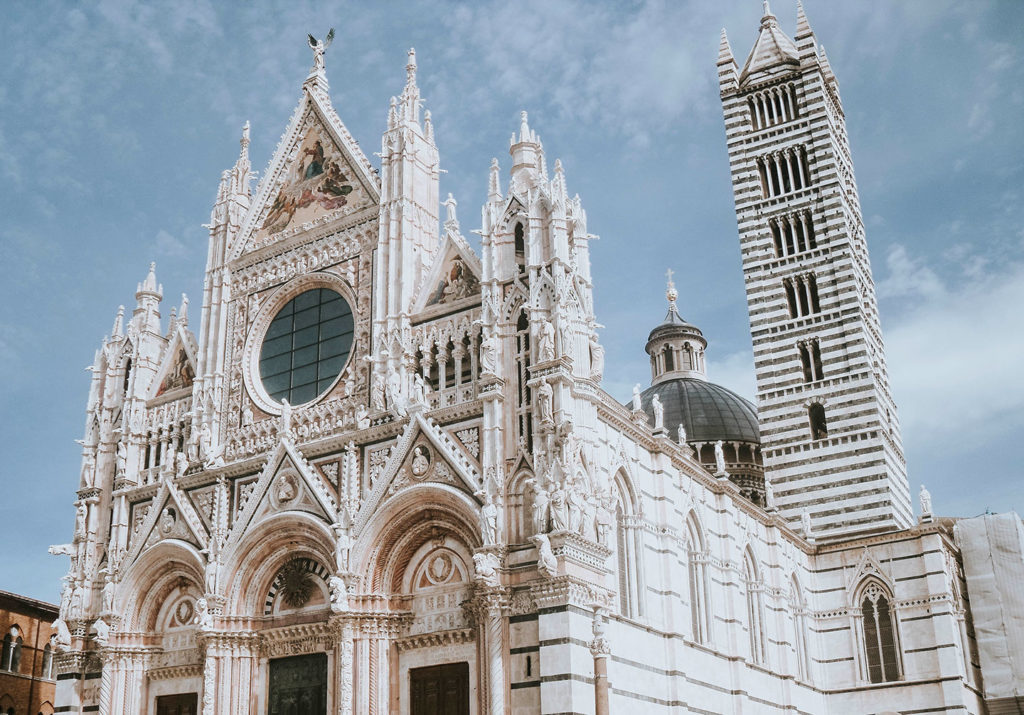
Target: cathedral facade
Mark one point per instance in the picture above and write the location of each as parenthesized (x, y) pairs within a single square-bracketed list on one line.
[(383, 476)]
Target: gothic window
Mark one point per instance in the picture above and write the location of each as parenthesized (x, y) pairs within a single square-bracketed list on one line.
[(799, 609), (790, 297), (127, 374), (755, 607), (306, 346), (523, 396), (627, 552), (520, 248), (5, 657), (816, 417), (772, 106), (783, 171), (801, 295), (700, 617), (669, 361), (881, 653)]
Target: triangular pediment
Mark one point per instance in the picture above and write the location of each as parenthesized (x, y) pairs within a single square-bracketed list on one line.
[(317, 174), (169, 515), (867, 567), (453, 278), (177, 369), (288, 483), (424, 453)]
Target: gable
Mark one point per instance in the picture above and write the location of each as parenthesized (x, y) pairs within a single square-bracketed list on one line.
[(317, 180), (318, 173), (453, 277), (177, 370)]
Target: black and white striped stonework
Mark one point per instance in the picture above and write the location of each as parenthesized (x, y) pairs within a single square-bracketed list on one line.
[(808, 281)]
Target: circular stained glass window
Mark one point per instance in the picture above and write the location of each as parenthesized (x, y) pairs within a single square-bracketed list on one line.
[(306, 346)]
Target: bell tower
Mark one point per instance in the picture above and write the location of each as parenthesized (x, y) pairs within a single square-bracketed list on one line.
[(829, 432)]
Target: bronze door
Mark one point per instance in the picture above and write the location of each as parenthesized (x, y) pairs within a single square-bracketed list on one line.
[(440, 689), (298, 685), (184, 704)]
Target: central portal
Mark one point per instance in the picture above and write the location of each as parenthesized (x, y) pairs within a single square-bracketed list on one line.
[(440, 689), (298, 685)]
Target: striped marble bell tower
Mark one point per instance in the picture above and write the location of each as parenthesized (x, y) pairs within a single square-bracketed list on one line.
[(829, 432)]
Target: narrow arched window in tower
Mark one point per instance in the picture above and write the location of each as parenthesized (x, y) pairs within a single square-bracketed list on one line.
[(670, 363), (622, 558), (812, 291), (520, 247), (819, 372), (127, 373), (790, 297), (805, 362), (776, 237), (816, 417), (880, 649), (523, 396)]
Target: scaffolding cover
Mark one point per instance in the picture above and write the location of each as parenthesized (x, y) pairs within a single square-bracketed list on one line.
[(992, 546)]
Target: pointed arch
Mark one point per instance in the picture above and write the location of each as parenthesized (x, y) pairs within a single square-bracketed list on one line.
[(697, 579), (628, 546), (519, 506), (798, 608), (167, 566), (881, 653), (754, 588)]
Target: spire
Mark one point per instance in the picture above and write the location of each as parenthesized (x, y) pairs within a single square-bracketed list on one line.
[(804, 35), (771, 49), (241, 170), (493, 183), (678, 337), (725, 50), (115, 332), (411, 93), (150, 286)]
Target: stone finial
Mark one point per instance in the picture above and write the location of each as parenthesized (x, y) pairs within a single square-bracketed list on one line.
[(670, 292), (118, 323), (494, 184), (926, 504), (428, 127), (410, 68), (150, 286), (525, 133), (183, 311), (244, 141)]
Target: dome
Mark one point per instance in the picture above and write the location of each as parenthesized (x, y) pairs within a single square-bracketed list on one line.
[(709, 412)]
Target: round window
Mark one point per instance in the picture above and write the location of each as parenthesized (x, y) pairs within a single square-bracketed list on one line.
[(306, 346)]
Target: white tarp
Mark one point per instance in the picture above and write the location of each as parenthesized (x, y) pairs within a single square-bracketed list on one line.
[(992, 546)]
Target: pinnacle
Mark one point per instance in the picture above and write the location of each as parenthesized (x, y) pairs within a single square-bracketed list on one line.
[(724, 49), (803, 27)]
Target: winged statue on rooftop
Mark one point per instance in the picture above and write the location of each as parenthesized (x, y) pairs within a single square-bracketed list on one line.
[(318, 48)]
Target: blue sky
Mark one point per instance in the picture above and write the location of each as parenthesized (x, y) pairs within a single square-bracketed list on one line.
[(117, 117)]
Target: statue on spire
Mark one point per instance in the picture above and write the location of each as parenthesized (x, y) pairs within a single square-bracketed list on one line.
[(318, 48), (671, 293)]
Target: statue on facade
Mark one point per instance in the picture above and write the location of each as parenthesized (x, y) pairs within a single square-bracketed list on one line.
[(769, 495), (377, 392), (540, 506), (102, 631), (342, 546), (544, 402), (61, 640), (637, 405), (565, 335), (485, 567), (339, 594), (659, 412), (557, 507), (605, 517), (180, 463), (419, 389), (210, 456), (547, 565), (596, 358), (489, 355), (396, 393), (488, 518), (318, 48), (247, 417), (204, 619), (681, 434), (362, 417), (109, 591), (122, 459), (926, 502), (80, 515), (719, 459), (546, 341), (285, 427), (575, 501), (805, 523)]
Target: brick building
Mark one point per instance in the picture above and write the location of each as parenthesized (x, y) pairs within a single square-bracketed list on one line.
[(26, 659)]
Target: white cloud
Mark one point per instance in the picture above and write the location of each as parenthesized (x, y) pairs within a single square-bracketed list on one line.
[(954, 352), (171, 246)]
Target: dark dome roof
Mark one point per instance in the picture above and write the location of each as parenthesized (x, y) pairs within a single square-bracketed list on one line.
[(673, 324), (709, 412)]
